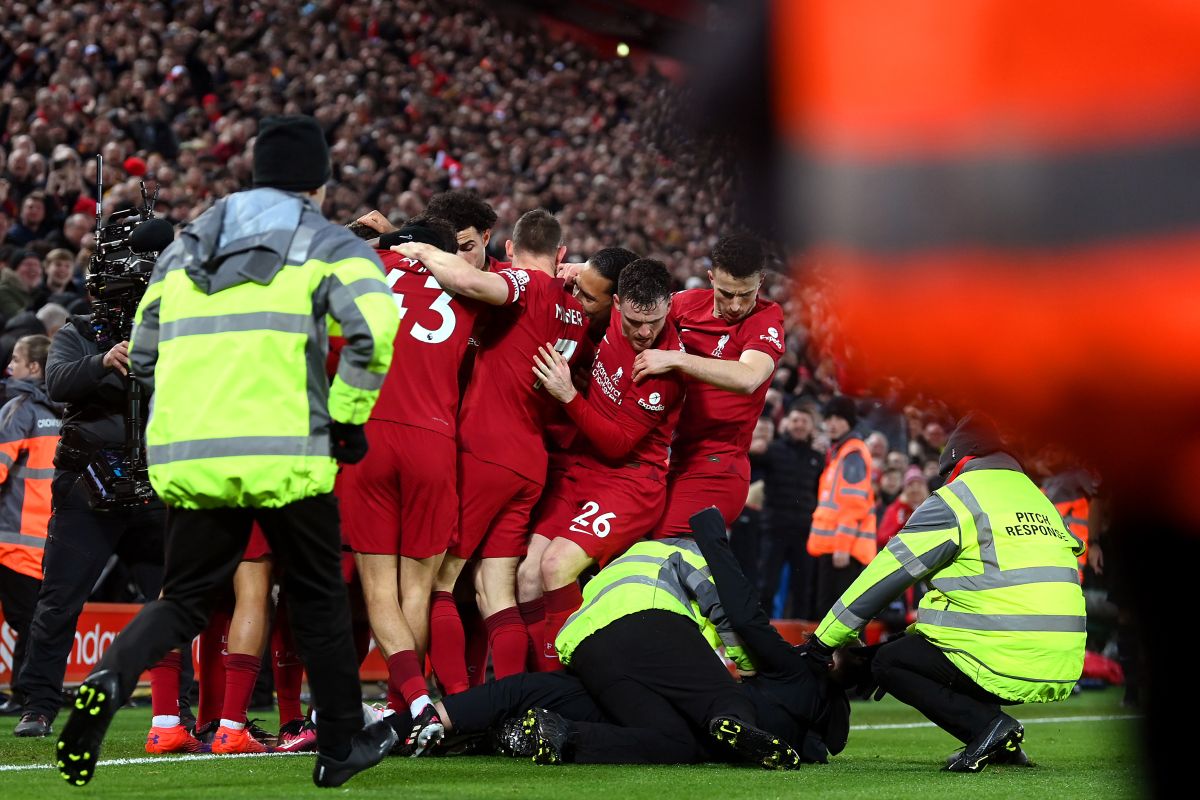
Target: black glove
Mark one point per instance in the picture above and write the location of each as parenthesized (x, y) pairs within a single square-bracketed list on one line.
[(347, 443), (818, 655), (862, 660)]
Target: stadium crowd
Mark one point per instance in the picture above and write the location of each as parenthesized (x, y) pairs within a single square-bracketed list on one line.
[(415, 99)]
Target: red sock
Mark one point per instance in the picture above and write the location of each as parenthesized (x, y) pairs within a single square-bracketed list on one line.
[(241, 671), (164, 685), (509, 641), (405, 681), (212, 668), (476, 646), (447, 643), (533, 614), (286, 667), (561, 603)]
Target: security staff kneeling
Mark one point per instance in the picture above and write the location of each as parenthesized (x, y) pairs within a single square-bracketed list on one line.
[(1004, 622)]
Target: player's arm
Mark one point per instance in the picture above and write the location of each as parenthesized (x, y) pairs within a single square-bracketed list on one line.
[(611, 437), (458, 277), (930, 540), (743, 376)]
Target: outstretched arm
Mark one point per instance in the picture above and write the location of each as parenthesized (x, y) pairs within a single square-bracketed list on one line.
[(458, 277), (770, 651), (743, 376)]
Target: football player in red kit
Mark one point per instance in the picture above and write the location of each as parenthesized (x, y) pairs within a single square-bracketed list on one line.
[(400, 503), (593, 284), (472, 219), (614, 488), (733, 341), (502, 455)]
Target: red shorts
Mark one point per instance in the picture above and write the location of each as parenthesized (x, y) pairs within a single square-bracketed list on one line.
[(258, 546), (604, 512), (689, 493), (401, 499), (494, 509)]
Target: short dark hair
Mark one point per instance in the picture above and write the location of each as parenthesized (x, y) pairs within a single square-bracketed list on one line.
[(609, 262), (463, 209), (442, 229), (739, 254), (537, 232), (644, 283)]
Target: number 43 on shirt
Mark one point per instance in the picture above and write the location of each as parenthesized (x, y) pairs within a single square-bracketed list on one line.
[(440, 306)]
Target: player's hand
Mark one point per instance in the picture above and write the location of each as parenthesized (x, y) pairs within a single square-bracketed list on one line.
[(376, 222), (417, 251), (1095, 557), (841, 560), (652, 362), (553, 374), (118, 358), (567, 271)]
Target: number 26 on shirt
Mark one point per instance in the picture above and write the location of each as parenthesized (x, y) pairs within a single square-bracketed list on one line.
[(599, 526)]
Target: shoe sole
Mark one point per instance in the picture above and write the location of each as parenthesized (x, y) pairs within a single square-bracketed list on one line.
[(758, 746), (430, 736), (79, 744)]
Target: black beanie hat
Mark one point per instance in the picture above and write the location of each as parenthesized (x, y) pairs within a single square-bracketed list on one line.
[(290, 154), (844, 407), (976, 435)]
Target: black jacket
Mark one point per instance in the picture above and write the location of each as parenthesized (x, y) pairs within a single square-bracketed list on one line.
[(791, 478), (790, 698), (95, 395)]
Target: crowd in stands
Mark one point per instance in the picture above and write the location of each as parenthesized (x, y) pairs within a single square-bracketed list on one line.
[(415, 96)]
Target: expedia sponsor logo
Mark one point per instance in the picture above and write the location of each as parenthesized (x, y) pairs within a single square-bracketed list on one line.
[(606, 383), (50, 423), (772, 336), (518, 278), (652, 403)]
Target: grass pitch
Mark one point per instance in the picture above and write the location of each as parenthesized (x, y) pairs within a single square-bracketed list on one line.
[(1084, 747)]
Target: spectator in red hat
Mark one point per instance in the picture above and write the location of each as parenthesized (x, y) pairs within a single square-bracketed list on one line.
[(135, 166)]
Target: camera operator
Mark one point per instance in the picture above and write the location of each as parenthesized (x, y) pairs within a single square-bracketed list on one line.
[(92, 383)]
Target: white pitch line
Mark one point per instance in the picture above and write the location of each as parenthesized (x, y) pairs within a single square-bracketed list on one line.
[(122, 762), (1031, 721)]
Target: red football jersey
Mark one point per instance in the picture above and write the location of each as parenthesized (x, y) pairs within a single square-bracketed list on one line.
[(421, 387), (651, 406), (504, 413), (716, 426)]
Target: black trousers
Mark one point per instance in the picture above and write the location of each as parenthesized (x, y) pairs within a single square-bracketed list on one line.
[(785, 545), (657, 679), (79, 543), (917, 673), (486, 706), (203, 550), (832, 582), (18, 598)]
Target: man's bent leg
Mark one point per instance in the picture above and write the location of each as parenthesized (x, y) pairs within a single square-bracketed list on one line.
[(917, 673)]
